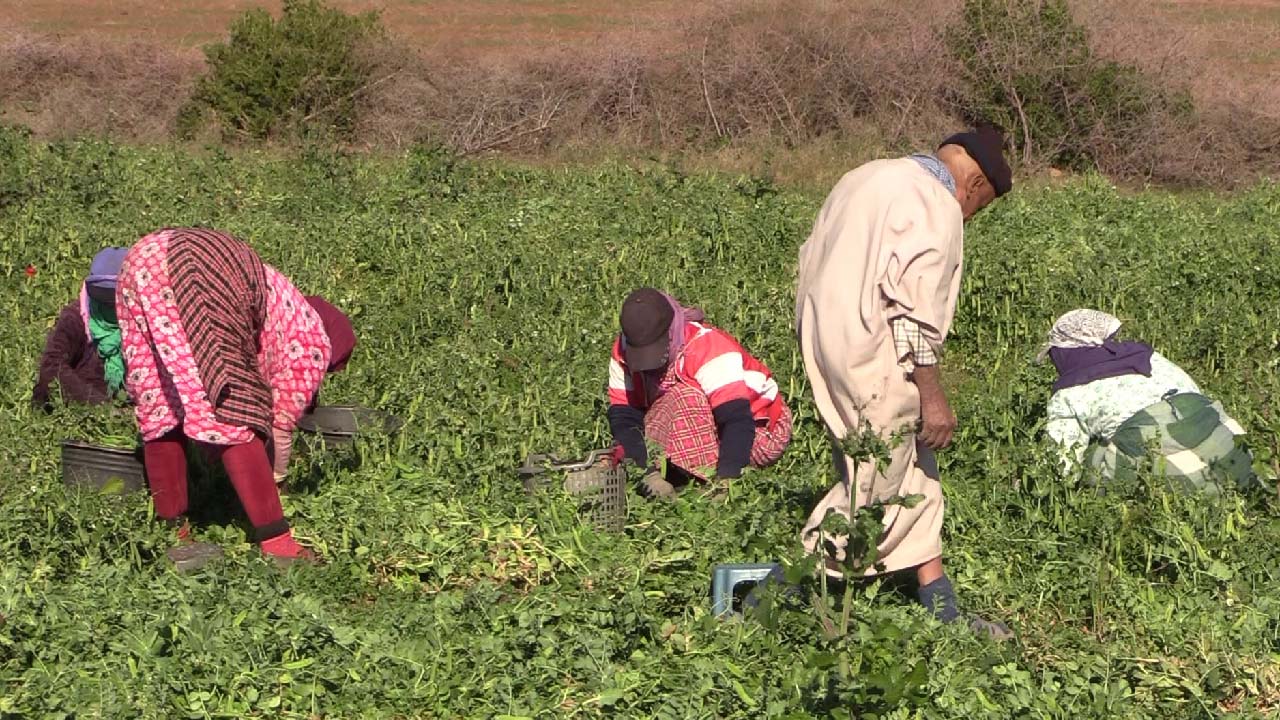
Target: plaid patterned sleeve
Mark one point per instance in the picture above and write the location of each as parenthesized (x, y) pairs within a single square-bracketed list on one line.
[(910, 345)]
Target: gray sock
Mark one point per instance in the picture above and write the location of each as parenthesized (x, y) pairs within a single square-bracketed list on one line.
[(940, 599)]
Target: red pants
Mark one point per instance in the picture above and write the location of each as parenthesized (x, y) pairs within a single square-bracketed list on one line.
[(247, 466)]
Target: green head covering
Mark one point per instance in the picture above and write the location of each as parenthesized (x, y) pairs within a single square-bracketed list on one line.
[(104, 332), (100, 296)]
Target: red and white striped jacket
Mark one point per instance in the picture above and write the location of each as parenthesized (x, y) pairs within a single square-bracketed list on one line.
[(711, 360)]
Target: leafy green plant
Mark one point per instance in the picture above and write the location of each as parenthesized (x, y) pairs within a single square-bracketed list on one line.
[(108, 425), (298, 74), (14, 180), (1027, 66), (486, 325)]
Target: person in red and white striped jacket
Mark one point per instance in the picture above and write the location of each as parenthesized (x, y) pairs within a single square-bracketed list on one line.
[(693, 390)]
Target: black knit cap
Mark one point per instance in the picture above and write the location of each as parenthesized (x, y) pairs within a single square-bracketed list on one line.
[(986, 146), (646, 318)]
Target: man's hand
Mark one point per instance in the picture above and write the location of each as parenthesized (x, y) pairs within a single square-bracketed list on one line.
[(939, 423)]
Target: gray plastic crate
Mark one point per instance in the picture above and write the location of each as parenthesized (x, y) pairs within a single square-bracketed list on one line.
[(600, 487)]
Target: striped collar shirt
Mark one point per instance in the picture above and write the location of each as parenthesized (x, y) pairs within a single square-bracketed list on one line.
[(937, 169)]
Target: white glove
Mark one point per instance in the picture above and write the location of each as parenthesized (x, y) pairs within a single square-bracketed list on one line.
[(282, 445)]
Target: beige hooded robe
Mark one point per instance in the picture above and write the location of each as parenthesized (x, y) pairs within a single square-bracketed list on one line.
[(887, 243)]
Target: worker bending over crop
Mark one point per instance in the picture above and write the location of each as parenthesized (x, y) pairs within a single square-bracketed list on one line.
[(222, 349), (83, 350), (879, 277), (1119, 405), (692, 390)]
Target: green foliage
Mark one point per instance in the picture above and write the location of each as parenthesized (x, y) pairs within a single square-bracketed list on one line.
[(14, 181), (485, 300), (108, 424), (864, 444), (1027, 67), (862, 532), (301, 73)]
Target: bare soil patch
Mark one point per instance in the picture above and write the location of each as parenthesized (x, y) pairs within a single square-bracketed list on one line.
[(456, 25)]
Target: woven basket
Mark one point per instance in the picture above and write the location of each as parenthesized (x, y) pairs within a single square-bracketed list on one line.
[(599, 486)]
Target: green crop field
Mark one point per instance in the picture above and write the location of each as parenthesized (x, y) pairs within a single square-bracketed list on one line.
[(486, 297)]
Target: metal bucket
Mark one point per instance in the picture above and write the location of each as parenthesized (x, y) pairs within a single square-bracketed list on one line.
[(96, 466), (341, 424), (599, 486)]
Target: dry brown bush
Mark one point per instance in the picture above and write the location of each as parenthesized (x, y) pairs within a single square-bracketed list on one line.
[(745, 74), (1232, 136), (90, 85), (764, 69)]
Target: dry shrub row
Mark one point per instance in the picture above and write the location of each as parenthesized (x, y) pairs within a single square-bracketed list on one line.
[(88, 85), (764, 71), (796, 72), (1234, 134), (789, 71)]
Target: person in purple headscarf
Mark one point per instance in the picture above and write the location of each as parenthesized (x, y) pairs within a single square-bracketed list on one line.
[(693, 391), (1118, 406), (83, 351)]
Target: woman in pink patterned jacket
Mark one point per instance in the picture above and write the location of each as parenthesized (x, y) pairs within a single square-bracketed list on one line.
[(222, 350)]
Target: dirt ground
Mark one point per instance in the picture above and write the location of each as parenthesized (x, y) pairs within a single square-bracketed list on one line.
[(454, 24)]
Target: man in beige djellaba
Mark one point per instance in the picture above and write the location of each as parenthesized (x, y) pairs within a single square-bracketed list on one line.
[(879, 280)]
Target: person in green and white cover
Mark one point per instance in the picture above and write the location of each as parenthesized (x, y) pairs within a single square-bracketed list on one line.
[(1119, 405)]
